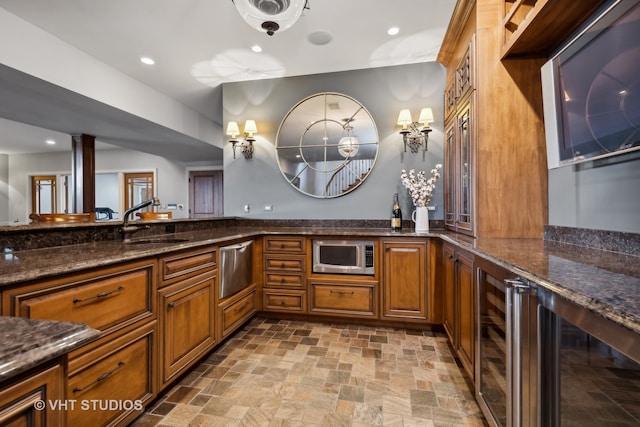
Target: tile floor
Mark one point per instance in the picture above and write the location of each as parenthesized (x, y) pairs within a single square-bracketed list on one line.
[(287, 373)]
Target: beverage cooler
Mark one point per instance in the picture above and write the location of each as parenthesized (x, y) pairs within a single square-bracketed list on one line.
[(589, 367), (506, 380), (544, 361)]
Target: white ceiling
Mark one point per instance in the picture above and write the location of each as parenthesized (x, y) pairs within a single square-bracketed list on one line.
[(200, 44)]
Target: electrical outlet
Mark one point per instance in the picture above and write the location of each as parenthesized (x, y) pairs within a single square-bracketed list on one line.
[(431, 208), (268, 208), (246, 208)]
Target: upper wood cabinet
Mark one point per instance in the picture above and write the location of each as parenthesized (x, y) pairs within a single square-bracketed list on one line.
[(496, 182), (536, 27), (459, 161)]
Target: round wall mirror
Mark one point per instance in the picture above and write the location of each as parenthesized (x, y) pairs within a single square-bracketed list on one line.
[(326, 145)]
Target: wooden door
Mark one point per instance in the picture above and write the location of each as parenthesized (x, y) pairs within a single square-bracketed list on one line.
[(43, 194), (138, 188), (205, 194)]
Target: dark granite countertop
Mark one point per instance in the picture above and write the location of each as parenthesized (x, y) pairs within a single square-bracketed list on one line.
[(602, 281), (27, 343)]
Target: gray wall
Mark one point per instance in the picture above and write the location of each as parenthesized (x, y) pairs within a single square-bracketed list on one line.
[(383, 91), (4, 189), (602, 194)]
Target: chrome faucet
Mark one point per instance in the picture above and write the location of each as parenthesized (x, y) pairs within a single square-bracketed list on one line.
[(126, 230)]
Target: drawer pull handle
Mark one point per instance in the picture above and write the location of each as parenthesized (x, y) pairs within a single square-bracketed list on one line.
[(282, 265), (341, 292), (100, 378), (282, 280), (98, 296), (282, 302), (242, 307)]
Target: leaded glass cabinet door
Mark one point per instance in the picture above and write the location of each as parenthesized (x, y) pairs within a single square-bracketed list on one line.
[(459, 185), (465, 169), (450, 175)]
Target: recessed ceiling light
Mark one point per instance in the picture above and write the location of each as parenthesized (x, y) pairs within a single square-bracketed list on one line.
[(50, 142), (147, 60), (256, 48), (393, 31)]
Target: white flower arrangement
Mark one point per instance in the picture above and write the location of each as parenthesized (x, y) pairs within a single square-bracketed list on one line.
[(420, 188)]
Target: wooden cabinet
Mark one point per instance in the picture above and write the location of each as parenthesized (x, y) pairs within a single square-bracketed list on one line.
[(115, 381), (106, 299), (187, 310), (495, 151), (404, 288), (18, 398), (459, 304), (344, 297), (459, 161), (236, 310), (536, 27), (119, 302), (284, 266)]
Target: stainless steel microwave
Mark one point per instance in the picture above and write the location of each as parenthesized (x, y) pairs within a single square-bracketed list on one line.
[(343, 256)]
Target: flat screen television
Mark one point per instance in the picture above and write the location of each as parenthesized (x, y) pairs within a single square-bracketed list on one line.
[(591, 88)]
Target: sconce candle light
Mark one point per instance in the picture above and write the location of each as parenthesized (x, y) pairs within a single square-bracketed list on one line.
[(412, 133), (250, 129)]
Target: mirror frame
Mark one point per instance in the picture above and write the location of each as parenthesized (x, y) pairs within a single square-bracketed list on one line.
[(347, 151)]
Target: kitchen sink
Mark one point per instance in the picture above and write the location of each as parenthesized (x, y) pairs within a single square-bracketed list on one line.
[(157, 240)]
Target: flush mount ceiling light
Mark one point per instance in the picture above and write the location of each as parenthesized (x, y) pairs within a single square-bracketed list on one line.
[(271, 15)]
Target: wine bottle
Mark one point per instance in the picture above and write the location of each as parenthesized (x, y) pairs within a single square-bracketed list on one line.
[(396, 214)]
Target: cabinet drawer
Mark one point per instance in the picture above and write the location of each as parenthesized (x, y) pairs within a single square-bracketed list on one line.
[(104, 300), (284, 300), (355, 299), (120, 372), (283, 280), (290, 263), (284, 244), (237, 311), (188, 264)]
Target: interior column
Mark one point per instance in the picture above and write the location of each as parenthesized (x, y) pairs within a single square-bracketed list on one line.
[(83, 173)]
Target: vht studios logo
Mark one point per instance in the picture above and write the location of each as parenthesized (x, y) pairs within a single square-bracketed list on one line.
[(89, 405)]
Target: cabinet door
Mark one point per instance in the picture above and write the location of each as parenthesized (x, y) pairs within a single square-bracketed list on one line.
[(187, 323), (17, 400), (449, 272), (464, 168), (450, 192), (466, 298), (405, 279)]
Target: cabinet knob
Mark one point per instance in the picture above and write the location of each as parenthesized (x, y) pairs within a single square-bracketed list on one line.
[(171, 304)]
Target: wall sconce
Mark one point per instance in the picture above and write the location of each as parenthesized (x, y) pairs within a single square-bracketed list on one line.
[(411, 132), (247, 140)]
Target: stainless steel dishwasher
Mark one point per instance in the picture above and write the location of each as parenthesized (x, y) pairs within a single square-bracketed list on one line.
[(235, 268)]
